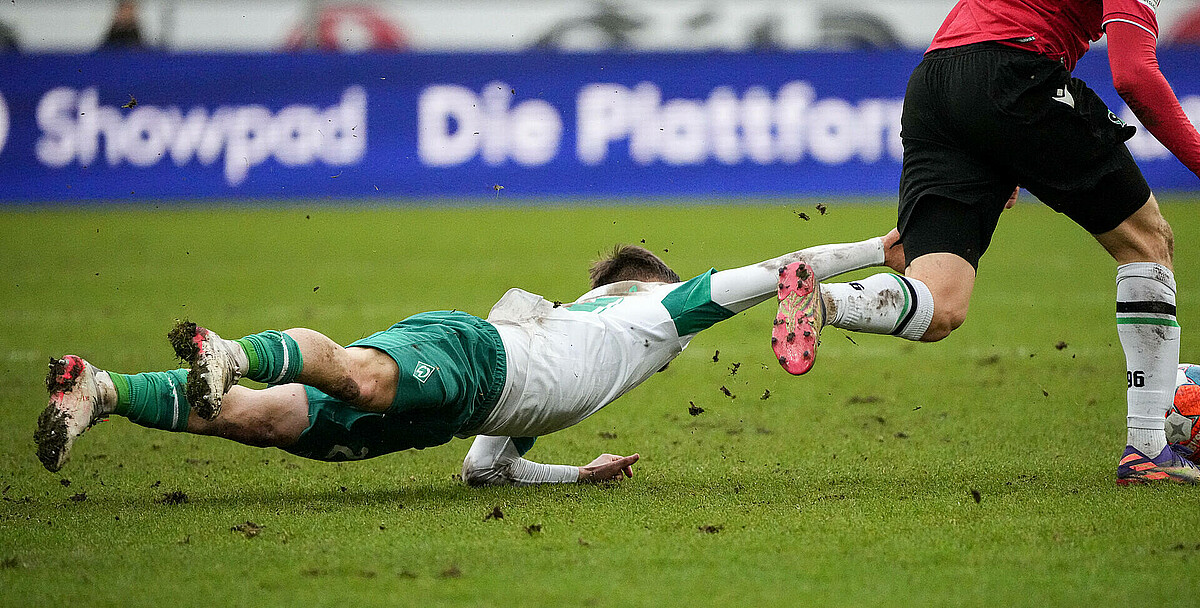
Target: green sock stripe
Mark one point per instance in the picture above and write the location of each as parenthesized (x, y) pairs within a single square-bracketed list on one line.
[(295, 360), (121, 382), (154, 399), (278, 355), (1146, 321), (907, 302), (252, 354)]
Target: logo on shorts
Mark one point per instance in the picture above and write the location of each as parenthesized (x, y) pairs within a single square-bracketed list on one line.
[(1116, 120), (1062, 95), (423, 371)]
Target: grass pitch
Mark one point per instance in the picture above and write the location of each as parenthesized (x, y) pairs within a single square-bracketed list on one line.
[(977, 471)]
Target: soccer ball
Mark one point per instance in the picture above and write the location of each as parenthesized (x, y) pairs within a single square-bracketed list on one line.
[(1183, 420)]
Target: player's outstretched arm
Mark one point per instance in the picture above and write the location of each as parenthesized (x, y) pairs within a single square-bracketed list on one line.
[(1136, 76), (496, 461), (740, 288)]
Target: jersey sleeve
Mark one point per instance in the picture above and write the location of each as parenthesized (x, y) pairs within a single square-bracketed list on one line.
[(496, 461), (1142, 13), (691, 306), (1136, 76)]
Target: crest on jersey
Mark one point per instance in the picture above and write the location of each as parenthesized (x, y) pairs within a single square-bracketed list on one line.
[(423, 371), (1153, 4)]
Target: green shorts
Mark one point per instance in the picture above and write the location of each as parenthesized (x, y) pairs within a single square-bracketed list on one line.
[(452, 371)]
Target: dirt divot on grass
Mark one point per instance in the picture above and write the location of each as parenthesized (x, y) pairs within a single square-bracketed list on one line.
[(248, 529), (176, 497)]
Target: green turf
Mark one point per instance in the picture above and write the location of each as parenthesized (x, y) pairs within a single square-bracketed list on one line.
[(850, 486)]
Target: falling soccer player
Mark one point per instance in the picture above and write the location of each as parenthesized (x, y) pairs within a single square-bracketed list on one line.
[(531, 368), (992, 107)]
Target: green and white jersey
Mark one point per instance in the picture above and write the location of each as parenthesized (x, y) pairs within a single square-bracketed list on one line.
[(565, 362)]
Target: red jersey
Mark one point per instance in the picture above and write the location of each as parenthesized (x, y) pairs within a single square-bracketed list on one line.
[(1060, 29)]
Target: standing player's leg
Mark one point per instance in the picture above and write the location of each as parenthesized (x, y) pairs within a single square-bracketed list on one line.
[(1143, 248), (364, 378), (82, 395)]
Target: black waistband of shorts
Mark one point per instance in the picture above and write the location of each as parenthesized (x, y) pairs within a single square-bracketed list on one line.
[(980, 47)]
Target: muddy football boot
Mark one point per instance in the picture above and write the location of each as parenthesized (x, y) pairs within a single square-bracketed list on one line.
[(73, 409), (213, 367), (1171, 465), (797, 329)]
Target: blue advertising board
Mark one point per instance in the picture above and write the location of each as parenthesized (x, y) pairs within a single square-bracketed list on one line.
[(147, 125)]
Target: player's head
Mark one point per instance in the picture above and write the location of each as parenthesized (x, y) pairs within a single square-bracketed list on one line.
[(631, 263)]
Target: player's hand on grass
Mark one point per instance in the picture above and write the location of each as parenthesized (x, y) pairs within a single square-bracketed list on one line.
[(1012, 200), (608, 467)]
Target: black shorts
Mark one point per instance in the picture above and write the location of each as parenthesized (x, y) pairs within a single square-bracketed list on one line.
[(981, 119)]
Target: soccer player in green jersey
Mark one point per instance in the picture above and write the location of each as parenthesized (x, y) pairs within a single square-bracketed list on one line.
[(531, 368)]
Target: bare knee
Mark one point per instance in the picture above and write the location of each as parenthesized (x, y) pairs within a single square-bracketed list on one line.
[(1155, 241), (372, 379), (344, 388), (945, 320), (1145, 236), (950, 279)]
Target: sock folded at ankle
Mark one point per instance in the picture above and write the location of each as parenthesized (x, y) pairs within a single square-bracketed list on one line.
[(881, 304), (274, 357)]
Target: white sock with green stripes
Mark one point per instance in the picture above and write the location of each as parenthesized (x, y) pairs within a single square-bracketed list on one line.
[(1150, 336), (880, 304)]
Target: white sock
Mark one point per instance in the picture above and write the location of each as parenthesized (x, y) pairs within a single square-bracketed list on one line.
[(1149, 334), (241, 360), (880, 304), (107, 401)]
